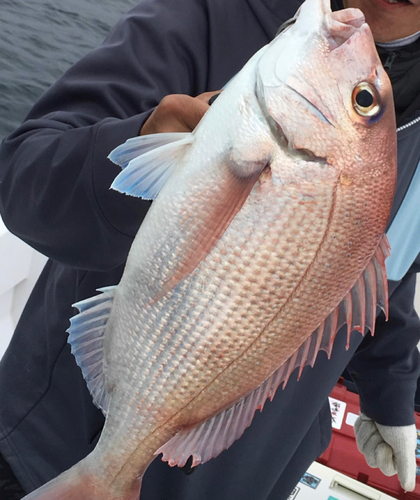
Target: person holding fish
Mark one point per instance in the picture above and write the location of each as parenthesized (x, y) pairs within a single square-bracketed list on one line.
[(265, 243)]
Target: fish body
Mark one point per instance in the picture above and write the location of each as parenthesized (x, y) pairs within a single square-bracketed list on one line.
[(265, 235)]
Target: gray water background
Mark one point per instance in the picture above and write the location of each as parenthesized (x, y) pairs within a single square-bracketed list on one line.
[(39, 40)]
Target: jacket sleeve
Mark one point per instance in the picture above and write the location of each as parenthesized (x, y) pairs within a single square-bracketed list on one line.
[(386, 366), (54, 171)]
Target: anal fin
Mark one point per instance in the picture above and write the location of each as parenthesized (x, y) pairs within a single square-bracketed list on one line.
[(86, 337)]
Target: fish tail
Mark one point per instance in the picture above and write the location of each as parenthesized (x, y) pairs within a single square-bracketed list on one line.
[(76, 484)]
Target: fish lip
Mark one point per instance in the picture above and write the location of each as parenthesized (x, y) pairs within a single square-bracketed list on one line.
[(336, 26)]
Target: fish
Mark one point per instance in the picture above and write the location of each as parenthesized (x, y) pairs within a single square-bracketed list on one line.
[(265, 236)]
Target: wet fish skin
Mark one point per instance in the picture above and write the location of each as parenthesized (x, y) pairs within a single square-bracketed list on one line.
[(277, 205)]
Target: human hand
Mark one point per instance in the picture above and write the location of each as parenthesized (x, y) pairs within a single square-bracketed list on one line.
[(392, 449), (177, 113)]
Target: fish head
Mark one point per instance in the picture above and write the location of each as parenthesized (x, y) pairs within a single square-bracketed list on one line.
[(323, 90)]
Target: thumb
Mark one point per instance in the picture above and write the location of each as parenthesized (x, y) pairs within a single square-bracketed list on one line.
[(405, 463), (177, 113), (403, 441)]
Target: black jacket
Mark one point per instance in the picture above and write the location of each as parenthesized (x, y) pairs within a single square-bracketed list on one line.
[(54, 194)]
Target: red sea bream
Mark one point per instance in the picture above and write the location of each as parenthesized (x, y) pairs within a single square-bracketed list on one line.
[(265, 235)]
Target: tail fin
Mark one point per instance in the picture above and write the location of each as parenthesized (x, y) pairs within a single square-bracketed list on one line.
[(74, 484)]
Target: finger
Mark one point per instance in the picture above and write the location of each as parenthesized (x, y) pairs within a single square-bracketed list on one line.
[(403, 440), (407, 478), (405, 464), (364, 430), (371, 443), (194, 112), (385, 460), (213, 98), (206, 96), (175, 113), (376, 451), (159, 122)]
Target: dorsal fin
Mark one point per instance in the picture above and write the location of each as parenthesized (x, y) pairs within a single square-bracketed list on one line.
[(210, 437), (86, 337)]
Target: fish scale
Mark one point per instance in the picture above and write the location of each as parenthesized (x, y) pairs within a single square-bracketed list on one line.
[(214, 344), (265, 236), (308, 289)]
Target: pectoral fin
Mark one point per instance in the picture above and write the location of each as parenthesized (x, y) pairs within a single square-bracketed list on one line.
[(147, 162)]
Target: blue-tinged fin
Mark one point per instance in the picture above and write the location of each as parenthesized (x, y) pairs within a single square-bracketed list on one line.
[(147, 162), (136, 146), (86, 337)]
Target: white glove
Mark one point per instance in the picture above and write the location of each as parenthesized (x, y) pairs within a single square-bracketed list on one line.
[(392, 449)]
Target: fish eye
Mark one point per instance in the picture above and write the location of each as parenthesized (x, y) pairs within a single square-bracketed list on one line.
[(366, 100)]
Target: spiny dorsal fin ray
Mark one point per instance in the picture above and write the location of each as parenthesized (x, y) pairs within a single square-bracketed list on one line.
[(210, 437), (86, 337)]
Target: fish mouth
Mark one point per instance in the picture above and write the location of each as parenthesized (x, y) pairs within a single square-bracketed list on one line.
[(313, 19), (337, 27), (314, 27)]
